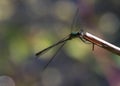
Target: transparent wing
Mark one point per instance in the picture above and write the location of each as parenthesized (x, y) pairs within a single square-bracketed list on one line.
[(76, 23), (60, 44), (53, 56)]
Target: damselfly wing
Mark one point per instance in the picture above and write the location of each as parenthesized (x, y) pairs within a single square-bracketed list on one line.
[(76, 23), (74, 27)]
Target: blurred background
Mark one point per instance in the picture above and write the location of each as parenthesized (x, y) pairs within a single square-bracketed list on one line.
[(28, 26)]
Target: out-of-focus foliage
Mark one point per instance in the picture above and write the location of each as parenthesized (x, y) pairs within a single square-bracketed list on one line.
[(27, 26)]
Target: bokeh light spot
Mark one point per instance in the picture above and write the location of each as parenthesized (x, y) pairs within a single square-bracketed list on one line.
[(18, 49), (77, 50), (6, 81), (64, 10), (37, 7), (6, 9), (109, 23), (51, 77), (41, 40)]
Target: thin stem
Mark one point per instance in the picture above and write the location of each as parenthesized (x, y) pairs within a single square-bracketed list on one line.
[(102, 43)]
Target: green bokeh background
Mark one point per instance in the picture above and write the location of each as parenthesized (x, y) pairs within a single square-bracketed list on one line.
[(28, 26)]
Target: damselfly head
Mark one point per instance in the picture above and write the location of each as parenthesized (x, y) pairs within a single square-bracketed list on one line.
[(73, 35)]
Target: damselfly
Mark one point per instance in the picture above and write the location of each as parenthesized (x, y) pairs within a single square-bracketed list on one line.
[(84, 36)]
